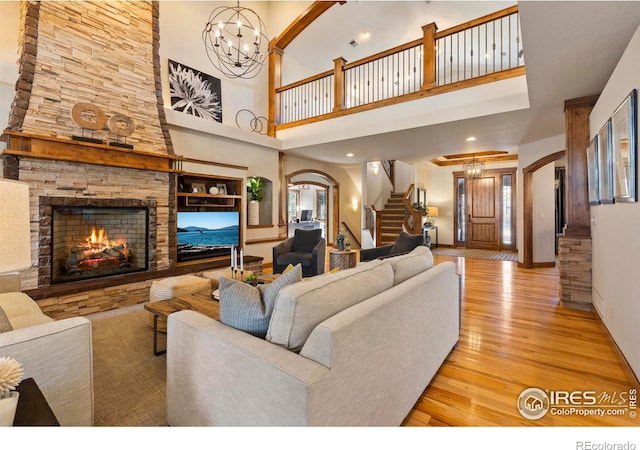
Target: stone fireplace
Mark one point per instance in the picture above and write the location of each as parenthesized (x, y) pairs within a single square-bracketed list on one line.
[(84, 185)]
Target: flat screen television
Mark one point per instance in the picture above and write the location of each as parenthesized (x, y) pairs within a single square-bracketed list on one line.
[(206, 234)]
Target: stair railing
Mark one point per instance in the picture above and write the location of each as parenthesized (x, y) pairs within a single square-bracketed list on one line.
[(413, 217), (388, 165), (353, 237)]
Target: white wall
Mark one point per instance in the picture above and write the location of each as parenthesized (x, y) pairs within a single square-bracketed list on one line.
[(544, 201), (616, 246), (404, 176), (377, 187), (544, 249)]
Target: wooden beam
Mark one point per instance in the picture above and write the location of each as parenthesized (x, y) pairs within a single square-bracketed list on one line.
[(314, 11), (484, 153), (459, 162)]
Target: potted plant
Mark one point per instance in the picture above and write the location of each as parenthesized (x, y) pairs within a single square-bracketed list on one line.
[(251, 279), (255, 194)]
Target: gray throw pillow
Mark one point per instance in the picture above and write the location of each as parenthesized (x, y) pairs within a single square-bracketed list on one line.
[(249, 309), (405, 243)]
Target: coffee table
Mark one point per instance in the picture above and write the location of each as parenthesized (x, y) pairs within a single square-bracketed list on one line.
[(201, 302)]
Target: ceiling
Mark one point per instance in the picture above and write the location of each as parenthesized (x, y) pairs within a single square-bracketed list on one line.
[(571, 48)]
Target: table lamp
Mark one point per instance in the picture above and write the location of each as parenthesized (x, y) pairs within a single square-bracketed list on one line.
[(15, 232), (432, 213)]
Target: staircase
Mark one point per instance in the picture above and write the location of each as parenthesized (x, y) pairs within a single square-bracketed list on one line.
[(392, 218)]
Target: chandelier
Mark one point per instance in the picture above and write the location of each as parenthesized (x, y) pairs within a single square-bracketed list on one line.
[(236, 41), (473, 169)]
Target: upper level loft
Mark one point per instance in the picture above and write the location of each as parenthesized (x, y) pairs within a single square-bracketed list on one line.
[(484, 50)]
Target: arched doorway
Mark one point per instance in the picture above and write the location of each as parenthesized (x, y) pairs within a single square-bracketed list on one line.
[(319, 179), (527, 183)]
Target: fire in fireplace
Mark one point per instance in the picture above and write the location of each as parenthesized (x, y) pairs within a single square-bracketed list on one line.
[(90, 242)]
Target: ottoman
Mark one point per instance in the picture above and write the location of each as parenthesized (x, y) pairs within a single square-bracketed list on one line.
[(171, 287)]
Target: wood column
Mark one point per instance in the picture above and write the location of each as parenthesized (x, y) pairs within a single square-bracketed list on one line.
[(275, 81), (338, 84), (577, 140), (574, 253), (429, 55)]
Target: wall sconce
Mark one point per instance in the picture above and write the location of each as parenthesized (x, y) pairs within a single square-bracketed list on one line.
[(375, 167), (354, 205)]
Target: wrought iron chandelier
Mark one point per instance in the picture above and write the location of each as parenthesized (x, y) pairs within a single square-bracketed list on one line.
[(473, 169), (236, 41)]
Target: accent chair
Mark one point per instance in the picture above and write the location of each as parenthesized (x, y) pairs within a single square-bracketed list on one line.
[(306, 247)]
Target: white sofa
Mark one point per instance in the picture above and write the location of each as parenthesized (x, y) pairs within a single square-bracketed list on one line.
[(366, 364), (57, 354)]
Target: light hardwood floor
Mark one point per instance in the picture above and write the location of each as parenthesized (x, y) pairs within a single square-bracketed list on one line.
[(514, 335)]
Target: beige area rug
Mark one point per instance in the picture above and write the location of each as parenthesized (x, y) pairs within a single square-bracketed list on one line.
[(129, 381), (477, 254)]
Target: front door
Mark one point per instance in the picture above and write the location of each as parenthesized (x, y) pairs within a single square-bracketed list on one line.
[(484, 210)]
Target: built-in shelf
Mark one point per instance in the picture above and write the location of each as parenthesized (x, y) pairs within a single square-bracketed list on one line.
[(203, 191)]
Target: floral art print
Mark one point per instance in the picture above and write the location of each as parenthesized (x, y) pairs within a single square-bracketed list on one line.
[(194, 92)]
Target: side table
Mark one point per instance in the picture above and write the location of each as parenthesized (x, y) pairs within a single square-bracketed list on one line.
[(344, 259), (33, 409)]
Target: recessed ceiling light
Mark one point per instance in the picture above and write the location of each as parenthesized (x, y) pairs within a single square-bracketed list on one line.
[(365, 35), (349, 155), (471, 139)]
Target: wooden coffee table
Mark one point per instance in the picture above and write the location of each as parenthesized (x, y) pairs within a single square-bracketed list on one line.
[(201, 302)]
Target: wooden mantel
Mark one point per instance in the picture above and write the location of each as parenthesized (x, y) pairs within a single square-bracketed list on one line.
[(47, 147)]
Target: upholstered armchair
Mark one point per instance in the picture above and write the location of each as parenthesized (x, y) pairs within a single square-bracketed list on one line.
[(306, 247), (404, 244)]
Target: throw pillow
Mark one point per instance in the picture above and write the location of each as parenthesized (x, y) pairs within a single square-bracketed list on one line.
[(249, 309), (241, 307), (405, 243), (5, 325), (270, 291)]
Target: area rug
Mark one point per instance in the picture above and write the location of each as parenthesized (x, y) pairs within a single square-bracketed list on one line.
[(129, 381), (477, 254)]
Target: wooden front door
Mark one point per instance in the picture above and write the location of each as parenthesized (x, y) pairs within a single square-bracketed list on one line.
[(484, 212)]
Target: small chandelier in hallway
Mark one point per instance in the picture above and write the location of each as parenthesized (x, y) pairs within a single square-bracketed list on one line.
[(474, 168), (236, 41)]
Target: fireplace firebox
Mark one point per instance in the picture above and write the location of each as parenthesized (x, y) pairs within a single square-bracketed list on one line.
[(92, 242)]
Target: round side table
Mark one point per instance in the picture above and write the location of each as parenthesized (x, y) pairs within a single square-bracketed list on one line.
[(344, 259)]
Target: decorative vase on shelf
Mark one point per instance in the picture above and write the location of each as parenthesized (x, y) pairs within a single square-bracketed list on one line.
[(255, 194), (254, 212)]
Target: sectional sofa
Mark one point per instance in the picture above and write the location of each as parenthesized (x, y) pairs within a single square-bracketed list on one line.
[(353, 348)]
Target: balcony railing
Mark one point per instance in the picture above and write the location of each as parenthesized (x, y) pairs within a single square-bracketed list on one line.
[(483, 50)]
